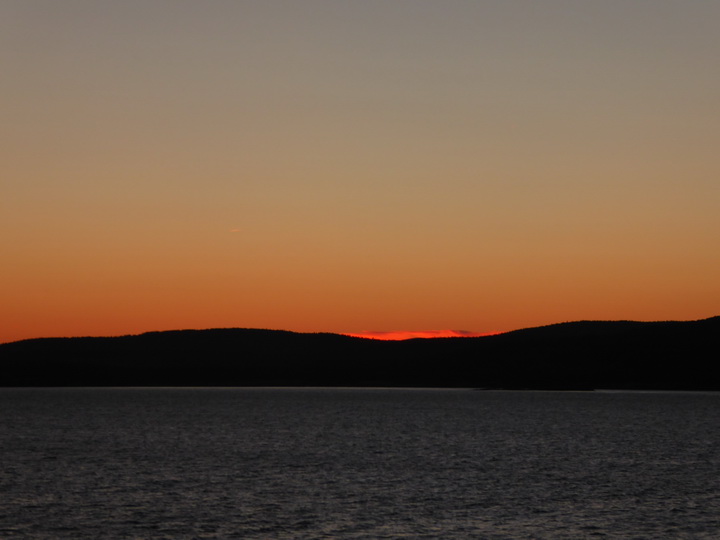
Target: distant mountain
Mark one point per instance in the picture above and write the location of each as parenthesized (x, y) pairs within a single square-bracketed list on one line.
[(671, 355)]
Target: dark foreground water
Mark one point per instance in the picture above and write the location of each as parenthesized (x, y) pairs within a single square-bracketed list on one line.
[(342, 463)]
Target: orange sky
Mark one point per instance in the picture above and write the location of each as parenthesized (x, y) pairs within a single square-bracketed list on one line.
[(356, 167), (403, 335)]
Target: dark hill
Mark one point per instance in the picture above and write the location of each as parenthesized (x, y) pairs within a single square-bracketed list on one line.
[(577, 355)]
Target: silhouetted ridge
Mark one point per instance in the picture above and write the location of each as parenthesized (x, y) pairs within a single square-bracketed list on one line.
[(678, 355)]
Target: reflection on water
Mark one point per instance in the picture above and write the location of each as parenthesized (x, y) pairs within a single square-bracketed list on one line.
[(357, 463)]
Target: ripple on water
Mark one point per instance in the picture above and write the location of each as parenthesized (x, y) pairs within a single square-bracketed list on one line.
[(304, 463)]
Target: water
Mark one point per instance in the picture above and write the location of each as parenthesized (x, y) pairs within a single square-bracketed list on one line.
[(357, 463)]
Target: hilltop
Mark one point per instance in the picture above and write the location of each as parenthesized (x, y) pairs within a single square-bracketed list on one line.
[(671, 355)]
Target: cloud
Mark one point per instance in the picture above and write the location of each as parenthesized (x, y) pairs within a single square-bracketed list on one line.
[(406, 334)]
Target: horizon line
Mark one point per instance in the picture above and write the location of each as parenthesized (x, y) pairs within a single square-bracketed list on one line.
[(402, 335), (391, 335)]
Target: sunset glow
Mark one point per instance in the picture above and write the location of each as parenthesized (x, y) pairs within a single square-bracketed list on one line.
[(328, 166), (403, 335)]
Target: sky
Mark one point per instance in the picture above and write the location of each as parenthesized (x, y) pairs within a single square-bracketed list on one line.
[(356, 166)]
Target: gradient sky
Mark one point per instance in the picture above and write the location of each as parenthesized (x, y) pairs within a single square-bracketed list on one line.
[(353, 166)]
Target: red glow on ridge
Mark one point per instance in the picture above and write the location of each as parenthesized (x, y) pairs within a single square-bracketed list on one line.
[(404, 334)]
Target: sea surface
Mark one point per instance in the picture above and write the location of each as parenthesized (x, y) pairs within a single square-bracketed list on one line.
[(357, 463)]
